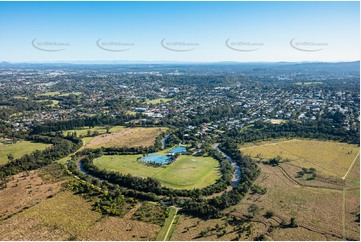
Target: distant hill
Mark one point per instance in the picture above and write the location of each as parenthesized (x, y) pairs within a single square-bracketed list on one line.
[(352, 68)]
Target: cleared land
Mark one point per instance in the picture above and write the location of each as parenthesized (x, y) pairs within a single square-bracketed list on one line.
[(308, 83), (158, 101), (19, 149), (318, 211), (129, 137), (187, 172), (57, 93), (321, 212), (69, 217), (331, 159), (100, 129), (323, 209), (70, 93), (54, 103), (278, 121), (37, 206), (49, 94), (27, 189), (192, 228)]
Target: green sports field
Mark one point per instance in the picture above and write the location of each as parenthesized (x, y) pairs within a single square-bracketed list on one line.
[(187, 172)]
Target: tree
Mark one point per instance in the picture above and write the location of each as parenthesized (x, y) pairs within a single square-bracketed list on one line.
[(253, 210), (275, 161), (312, 169), (10, 157), (293, 223), (269, 214), (305, 170), (108, 129)]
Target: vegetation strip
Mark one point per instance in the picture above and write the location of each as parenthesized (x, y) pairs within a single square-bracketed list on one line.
[(163, 233)]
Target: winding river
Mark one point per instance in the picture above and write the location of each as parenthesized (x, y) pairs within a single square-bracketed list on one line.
[(164, 141), (237, 170)]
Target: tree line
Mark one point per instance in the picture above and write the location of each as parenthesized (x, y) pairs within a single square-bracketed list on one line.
[(80, 122), (315, 130)]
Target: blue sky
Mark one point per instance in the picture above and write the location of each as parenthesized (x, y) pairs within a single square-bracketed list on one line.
[(266, 28)]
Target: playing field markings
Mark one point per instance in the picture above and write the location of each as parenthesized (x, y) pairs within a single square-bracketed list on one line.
[(349, 169), (158, 173)]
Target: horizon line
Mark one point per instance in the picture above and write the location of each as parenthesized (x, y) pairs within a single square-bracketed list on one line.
[(114, 62)]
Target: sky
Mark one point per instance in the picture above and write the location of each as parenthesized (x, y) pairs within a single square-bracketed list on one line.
[(179, 31)]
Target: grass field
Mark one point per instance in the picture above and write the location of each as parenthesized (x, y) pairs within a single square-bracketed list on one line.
[(308, 83), (158, 101), (187, 172), (126, 164), (319, 210), (322, 212), (131, 113), (21, 97), (54, 103), (100, 129), (70, 93), (49, 94), (57, 93), (19, 149), (129, 137), (329, 158)]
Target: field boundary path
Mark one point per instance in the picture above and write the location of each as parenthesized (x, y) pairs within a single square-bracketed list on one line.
[(132, 211), (170, 225), (349, 169), (161, 235), (344, 214)]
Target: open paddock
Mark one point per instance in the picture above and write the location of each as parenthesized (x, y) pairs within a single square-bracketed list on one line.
[(19, 149), (128, 137), (330, 159), (99, 129)]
